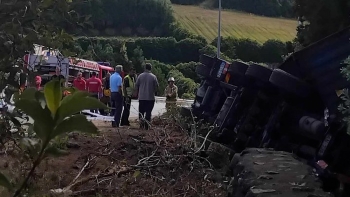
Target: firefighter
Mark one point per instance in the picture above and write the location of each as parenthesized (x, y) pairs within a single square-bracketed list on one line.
[(79, 82), (94, 87), (128, 90), (171, 94)]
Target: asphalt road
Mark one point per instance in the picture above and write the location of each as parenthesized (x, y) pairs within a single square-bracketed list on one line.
[(159, 106)]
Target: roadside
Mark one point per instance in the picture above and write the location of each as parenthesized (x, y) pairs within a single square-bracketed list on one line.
[(124, 162)]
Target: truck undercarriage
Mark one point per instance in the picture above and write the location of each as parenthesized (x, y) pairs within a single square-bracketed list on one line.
[(293, 108)]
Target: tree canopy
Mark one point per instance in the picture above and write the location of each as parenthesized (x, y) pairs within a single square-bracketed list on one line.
[(320, 18)]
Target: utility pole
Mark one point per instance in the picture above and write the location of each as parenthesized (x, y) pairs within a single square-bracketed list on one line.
[(219, 31)]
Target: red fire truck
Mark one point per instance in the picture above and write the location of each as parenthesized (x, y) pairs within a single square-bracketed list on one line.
[(46, 61)]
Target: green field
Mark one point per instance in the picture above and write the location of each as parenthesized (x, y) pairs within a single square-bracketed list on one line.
[(204, 22)]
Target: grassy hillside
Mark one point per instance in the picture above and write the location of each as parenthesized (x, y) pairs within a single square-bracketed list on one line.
[(240, 25)]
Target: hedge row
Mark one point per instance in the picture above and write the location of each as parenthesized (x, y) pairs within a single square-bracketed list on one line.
[(171, 51)]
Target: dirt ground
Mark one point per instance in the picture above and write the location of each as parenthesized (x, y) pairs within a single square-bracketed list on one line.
[(122, 162)]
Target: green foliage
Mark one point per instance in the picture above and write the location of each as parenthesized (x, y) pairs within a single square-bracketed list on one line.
[(127, 17), (163, 49), (212, 51), (52, 116), (24, 23), (319, 19), (189, 70), (187, 2), (4, 182), (344, 107), (272, 51)]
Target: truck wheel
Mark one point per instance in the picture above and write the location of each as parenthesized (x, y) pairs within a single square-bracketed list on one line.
[(259, 72), (263, 172), (203, 70), (238, 68), (207, 60), (289, 83)]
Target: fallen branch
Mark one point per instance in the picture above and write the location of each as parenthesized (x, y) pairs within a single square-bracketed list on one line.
[(68, 192)]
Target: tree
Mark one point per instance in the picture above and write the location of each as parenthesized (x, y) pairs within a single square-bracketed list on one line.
[(137, 59), (189, 70), (320, 18), (24, 23), (272, 51)]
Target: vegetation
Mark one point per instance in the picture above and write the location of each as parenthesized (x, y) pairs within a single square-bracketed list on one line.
[(127, 18), (239, 25), (319, 19), (273, 8), (272, 51)]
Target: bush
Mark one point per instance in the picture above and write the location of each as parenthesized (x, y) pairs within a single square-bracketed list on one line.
[(163, 49), (187, 2), (189, 70), (272, 51)]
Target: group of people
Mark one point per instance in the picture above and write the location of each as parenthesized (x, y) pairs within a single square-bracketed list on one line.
[(117, 92)]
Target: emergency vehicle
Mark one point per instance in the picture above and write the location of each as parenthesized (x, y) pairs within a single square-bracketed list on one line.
[(45, 61)]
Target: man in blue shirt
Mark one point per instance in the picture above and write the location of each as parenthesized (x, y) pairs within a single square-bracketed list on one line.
[(115, 84)]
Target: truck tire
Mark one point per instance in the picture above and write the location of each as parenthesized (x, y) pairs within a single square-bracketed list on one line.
[(289, 83), (238, 68), (203, 70), (264, 172), (259, 72), (207, 60)]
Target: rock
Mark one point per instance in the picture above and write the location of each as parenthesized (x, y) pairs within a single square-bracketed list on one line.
[(303, 189), (260, 191), (271, 172), (263, 173), (72, 144), (219, 156), (214, 176)]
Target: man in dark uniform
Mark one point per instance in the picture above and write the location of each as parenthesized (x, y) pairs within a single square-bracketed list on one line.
[(58, 75)]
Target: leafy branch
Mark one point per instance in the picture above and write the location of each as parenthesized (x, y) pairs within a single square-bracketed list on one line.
[(52, 117)]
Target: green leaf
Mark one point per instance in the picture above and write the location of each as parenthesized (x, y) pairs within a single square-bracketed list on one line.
[(74, 123), (43, 121), (55, 152), (136, 174), (40, 97), (53, 95), (77, 102), (47, 3), (28, 93), (5, 182)]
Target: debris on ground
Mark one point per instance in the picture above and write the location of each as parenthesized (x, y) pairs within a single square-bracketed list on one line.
[(124, 162)]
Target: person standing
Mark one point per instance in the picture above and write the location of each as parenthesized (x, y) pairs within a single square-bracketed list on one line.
[(38, 82), (94, 87), (58, 75), (106, 97), (146, 88), (171, 94), (115, 84), (128, 90), (79, 82)]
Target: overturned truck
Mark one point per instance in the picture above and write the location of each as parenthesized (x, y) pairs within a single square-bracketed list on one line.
[(291, 109)]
